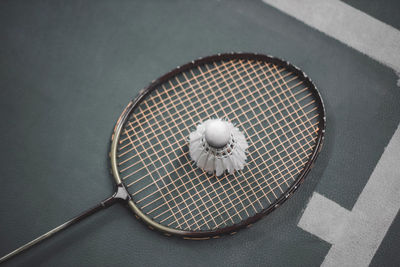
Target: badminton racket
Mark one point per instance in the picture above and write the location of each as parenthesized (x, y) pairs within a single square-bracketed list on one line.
[(274, 104)]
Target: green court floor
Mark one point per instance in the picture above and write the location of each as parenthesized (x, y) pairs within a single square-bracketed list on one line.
[(67, 70)]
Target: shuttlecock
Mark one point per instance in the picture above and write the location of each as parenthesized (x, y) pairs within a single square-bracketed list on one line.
[(217, 145)]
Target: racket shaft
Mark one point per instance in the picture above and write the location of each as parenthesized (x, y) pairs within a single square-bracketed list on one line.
[(102, 205)]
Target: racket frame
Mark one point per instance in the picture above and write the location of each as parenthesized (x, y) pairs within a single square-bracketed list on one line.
[(249, 221)]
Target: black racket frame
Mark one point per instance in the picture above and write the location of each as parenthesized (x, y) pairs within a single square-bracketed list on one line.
[(249, 221)]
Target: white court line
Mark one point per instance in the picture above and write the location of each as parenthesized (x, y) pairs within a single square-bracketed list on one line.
[(348, 25), (357, 234), (324, 218)]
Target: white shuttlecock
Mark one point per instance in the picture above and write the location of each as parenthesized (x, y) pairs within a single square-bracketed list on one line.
[(217, 145)]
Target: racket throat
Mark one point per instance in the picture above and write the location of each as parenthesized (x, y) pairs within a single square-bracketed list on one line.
[(120, 194)]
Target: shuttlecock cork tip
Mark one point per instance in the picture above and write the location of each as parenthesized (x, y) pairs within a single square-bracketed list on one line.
[(217, 133)]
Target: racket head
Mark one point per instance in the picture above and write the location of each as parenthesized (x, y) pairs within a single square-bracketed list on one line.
[(243, 221)]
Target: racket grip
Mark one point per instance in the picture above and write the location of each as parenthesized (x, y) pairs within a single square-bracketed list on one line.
[(120, 194)]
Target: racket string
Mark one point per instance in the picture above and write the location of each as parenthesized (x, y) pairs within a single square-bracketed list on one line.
[(219, 181), (296, 102), (296, 169), (245, 173), (185, 155), (143, 118), (250, 187), (285, 118), (226, 116), (165, 187), (151, 98), (255, 115), (138, 119), (271, 125), (213, 188), (194, 123), (161, 125), (246, 134), (164, 197)]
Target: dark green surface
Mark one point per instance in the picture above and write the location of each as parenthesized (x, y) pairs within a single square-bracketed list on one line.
[(388, 252), (67, 70), (386, 11)]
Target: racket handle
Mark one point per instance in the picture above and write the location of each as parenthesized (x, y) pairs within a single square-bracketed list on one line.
[(120, 194)]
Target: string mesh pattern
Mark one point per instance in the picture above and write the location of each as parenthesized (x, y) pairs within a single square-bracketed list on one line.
[(271, 105)]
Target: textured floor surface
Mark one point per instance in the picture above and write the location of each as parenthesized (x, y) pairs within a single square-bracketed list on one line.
[(67, 70)]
